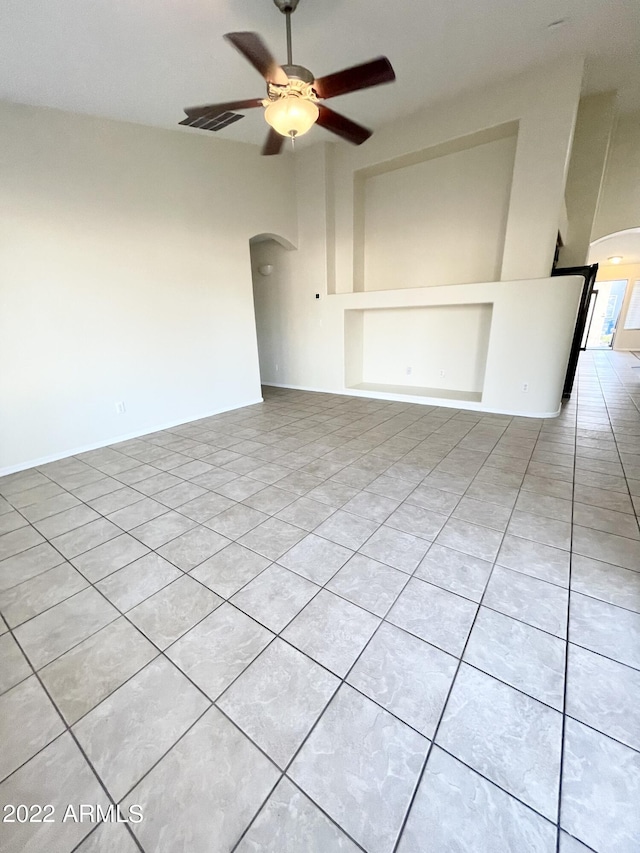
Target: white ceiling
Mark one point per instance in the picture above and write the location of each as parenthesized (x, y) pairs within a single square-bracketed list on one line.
[(625, 244), (143, 60)]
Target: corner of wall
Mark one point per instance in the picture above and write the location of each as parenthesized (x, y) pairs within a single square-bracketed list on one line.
[(619, 204), (591, 142), (126, 256)]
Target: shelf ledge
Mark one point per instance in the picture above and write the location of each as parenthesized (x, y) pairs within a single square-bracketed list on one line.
[(418, 391)]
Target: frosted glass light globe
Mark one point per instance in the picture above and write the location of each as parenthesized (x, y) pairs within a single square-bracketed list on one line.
[(291, 116)]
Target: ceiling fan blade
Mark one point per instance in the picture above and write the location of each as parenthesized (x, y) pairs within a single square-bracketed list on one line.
[(273, 143), (251, 46), (363, 76), (211, 110), (344, 127)]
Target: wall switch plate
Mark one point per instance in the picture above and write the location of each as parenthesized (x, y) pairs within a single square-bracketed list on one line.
[(120, 407), (409, 369)]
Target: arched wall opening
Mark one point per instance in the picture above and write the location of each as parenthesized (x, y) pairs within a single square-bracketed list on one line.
[(270, 269), (615, 320)]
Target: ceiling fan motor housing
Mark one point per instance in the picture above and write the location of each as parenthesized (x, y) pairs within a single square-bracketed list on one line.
[(298, 72)]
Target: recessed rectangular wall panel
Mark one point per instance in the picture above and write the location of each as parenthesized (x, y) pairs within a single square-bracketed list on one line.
[(438, 221), (438, 350)]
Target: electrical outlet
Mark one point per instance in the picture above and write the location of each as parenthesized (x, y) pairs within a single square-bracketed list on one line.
[(442, 374), (525, 387), (120, 407), (409, 370)]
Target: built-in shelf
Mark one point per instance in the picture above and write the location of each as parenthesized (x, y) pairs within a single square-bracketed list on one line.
[(428, 352), (416, 391), (489, 346)]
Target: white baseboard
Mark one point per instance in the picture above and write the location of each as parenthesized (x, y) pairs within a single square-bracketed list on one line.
[(421, 401), (65, 454)]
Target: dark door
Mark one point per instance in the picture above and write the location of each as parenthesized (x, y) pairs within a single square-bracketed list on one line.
[(589, 274)]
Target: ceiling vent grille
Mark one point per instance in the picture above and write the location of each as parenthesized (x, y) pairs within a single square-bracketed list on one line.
[(213, 123)]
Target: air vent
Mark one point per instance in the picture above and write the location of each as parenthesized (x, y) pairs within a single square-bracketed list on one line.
[(213, 123)]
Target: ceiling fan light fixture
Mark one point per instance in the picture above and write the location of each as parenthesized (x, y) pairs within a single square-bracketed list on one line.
[(291, 115), (291, 107)]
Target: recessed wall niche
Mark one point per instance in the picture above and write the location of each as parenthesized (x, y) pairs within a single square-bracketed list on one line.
[(431, 351), (436, 216)]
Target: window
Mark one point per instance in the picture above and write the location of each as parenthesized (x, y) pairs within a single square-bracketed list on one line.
[(632, 320)]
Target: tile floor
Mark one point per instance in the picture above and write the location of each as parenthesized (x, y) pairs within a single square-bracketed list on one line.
[(328, 623)]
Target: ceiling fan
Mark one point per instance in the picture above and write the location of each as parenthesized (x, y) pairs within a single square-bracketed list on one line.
[(293, 93)]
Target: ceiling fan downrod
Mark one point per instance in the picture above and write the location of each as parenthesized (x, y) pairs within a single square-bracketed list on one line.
[(288, 7)]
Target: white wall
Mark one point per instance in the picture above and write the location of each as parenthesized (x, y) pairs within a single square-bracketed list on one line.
[(594, 127), (543, 102), (125, 275), (440, 221), (619, 206), (528, 343), (289, 316), (307, 334), (443, 346), (275, 317)]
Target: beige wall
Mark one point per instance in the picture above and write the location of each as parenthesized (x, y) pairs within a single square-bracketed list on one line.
[(125, 276), (619, 206)]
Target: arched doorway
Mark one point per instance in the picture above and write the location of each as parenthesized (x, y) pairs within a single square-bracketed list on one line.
[(615, 316), (270, 264)]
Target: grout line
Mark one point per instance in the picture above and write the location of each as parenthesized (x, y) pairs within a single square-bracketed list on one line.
[(432, 744), (567, 642), (343, 679), (392, 463), (67, 730)]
